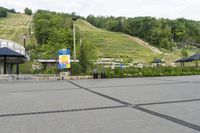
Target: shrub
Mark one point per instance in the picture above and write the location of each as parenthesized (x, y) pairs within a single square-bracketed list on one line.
[(76, 69), (51, 71), (151, 72)]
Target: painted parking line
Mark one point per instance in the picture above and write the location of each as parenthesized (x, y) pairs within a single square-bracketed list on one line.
[(168, 102), (61, 111)]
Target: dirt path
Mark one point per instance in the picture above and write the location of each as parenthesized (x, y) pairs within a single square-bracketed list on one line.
[(145, 44)]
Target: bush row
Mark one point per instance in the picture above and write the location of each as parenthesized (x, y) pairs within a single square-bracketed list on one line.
[(152, 72)]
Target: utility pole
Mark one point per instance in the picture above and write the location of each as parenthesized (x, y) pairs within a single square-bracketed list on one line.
[(74, 37)]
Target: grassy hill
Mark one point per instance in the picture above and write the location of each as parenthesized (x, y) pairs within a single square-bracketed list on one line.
[(14, 26), (106, 43), (116, 45)]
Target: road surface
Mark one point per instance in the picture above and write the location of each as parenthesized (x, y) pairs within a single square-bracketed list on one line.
[(133, 105)]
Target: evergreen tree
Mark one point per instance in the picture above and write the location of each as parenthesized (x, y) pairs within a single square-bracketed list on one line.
[(28, 11), (3, 12)]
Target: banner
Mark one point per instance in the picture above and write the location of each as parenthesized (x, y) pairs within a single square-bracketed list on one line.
[(64, 59)]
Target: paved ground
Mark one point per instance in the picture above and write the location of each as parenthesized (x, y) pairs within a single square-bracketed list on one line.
[(135, 105)]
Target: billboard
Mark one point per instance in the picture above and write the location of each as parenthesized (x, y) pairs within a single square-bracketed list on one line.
[(64, 59)]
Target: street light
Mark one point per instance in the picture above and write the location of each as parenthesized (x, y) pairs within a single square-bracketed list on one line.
[(74, 37), (24, 40)]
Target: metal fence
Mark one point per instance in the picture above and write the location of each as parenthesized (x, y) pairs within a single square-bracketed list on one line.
[(36, 77), (40, 77)]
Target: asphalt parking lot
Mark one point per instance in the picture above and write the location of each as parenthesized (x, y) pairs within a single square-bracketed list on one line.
[(133, 105)]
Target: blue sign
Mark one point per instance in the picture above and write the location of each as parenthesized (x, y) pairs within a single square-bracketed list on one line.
[(64, 59), (64, 52)]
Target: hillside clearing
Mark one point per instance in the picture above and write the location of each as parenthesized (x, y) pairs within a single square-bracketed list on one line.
[(14, 26), (117, 45)]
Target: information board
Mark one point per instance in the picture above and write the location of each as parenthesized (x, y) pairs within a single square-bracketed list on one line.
[(64, 59)]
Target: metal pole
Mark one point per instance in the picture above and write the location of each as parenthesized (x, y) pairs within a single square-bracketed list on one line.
[(11, 68), (17, 68), (74, 40), (4, 62), (24, 43), (24, 40)]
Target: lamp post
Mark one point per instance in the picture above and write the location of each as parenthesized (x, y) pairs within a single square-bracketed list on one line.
[(24, 40), (74, 37)]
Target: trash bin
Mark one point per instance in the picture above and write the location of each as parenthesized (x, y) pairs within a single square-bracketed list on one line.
[(95, 74), (103, 75)]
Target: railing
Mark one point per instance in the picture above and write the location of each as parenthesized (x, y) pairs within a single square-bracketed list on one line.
[(40, 77), (36, 77)]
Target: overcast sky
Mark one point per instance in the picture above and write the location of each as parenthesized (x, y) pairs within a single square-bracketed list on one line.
[(130, 8)]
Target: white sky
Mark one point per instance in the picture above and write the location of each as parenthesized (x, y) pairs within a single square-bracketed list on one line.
[(189, 9)]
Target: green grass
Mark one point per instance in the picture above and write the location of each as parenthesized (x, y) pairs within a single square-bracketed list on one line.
[(14, 26), (114, 45), (117, 45)]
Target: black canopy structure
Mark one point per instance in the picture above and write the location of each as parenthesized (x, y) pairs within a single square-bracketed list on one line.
[(157, 62), (194, 57), (182, 61), (11, 54)]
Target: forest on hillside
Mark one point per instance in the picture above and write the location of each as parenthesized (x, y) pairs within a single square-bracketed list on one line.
[(162, 33), (53, 31)]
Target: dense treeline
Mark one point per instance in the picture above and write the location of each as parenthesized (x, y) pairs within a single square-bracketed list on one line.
[(163, 33), (53, 31), (4, 12)]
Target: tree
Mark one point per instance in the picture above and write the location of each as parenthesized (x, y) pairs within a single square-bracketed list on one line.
[(83, 59), (12, 10), (3, 12), (87, 53), (42, 30), (28, 11)]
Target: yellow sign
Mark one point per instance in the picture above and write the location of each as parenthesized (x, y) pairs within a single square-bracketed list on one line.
[(64, 59)]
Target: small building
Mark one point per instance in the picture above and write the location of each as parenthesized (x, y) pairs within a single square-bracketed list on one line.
[(49, 63), (11, 55)]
